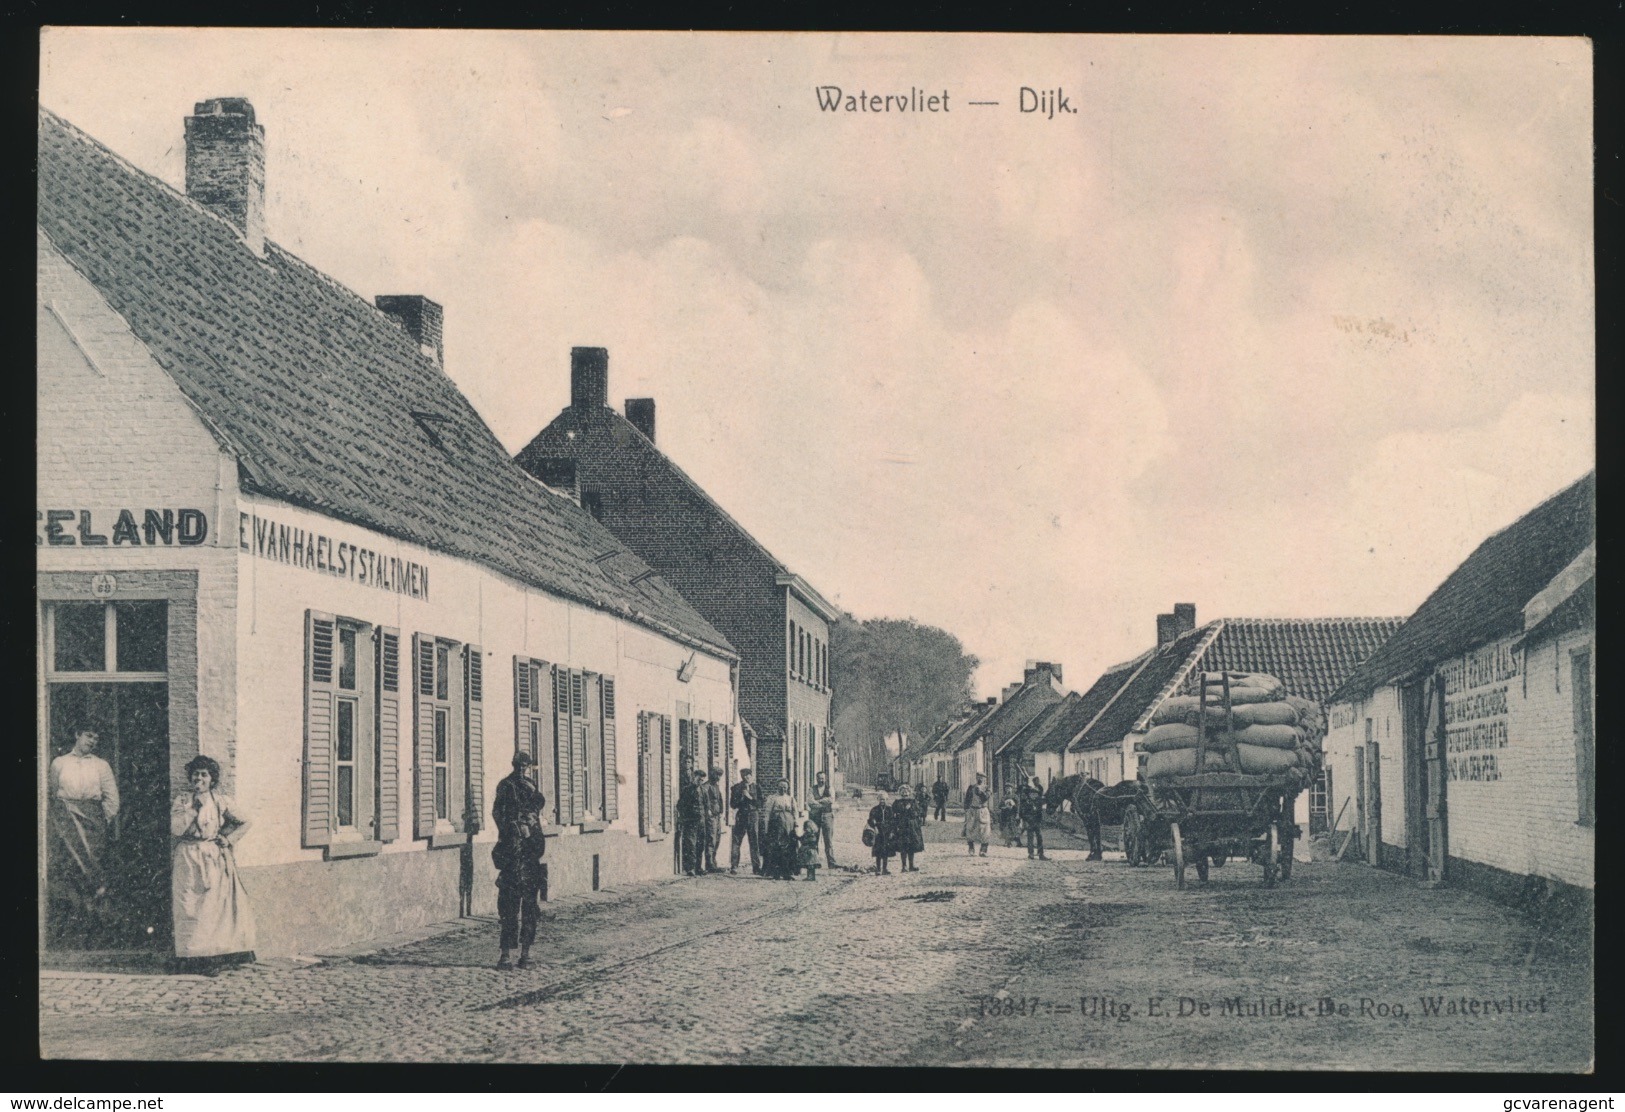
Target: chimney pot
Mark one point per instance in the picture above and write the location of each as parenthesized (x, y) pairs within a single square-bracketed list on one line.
[(423, 320), (589, 377), (1185, 616), (641, 412), (1167, 629), (225, 165)]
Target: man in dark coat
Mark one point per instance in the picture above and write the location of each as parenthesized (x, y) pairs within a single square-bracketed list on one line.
[(712, 797), (1091, 817), (1032, 818), (746, 801), (517, 812), (939, 795), (691, 823)]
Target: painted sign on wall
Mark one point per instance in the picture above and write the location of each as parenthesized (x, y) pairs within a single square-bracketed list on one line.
[(1475, 712), (108, 528), (306, 548)]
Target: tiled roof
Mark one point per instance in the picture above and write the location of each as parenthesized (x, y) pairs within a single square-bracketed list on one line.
[(1484, 598), (603, 432), (1144, 689), (315, 390), (1082, 711), (1577, 611), (1310, 656), (1012, 714), (1027, 738)]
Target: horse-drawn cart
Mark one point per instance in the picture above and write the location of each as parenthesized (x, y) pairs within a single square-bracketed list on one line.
[(1204, 818)]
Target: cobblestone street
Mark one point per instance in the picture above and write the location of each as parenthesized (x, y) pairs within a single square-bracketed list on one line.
[(972, 961)]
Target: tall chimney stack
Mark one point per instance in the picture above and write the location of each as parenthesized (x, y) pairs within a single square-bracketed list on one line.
[(1167, 629), (424, 320), (1185, 616), (225, 165), (589, 377), (641, 412)]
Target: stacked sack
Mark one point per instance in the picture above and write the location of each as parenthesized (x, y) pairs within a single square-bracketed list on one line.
[(1273, 732)]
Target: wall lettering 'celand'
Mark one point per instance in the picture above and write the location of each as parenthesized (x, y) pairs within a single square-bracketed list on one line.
[(109, 528), (1475, 712), (305, 548)]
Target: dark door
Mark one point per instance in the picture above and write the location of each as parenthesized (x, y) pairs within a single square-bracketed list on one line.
[(1413, 753), (133, 721)]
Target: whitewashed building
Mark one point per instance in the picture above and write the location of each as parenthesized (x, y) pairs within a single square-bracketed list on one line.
[(271, 530), (1464, 749)]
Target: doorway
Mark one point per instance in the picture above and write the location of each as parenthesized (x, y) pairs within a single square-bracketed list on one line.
[(106, 670)]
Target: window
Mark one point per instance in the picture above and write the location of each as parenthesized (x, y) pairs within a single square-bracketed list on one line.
[(792, 643), (593, 502), (1585, 741), (567, 720), (654, 775), (123, 637), (352, 734), (449, 747)]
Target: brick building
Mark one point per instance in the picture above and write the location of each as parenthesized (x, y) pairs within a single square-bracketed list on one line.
[(271, 530), (1465, 747), (778, 622), (977, 746)]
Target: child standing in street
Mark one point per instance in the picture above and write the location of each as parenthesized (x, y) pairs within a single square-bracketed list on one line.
[(809, 848)]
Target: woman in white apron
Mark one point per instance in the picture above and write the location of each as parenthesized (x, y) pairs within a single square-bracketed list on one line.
[(213, 924)]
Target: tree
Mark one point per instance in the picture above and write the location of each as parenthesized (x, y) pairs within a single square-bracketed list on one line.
[(890, 675)]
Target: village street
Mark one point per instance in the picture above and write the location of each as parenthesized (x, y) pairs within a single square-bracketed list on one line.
[(973, 961)]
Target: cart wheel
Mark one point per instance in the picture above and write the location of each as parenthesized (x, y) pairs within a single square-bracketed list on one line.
[(1286, 857), (1134, 848), (1272, 855), (1179, 856), (1201, 869)]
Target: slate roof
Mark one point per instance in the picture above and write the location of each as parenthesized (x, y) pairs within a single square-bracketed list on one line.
[(1483, 599), (314, 390), (1012, 714), (1082, 711), (1027, 738), (1143, 689), (1310, 656), (600, 431)]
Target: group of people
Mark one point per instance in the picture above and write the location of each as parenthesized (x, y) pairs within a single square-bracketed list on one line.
[(1020, 814), (783, 842), (896, 828), (210, 915)]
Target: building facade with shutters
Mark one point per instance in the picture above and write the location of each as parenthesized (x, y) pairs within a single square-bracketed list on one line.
[(271, 530), (1464, 749), (778, 622)]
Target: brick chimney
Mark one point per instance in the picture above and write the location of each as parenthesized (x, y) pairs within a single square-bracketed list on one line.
[(1167, 629), (225, 165), (589, 377), (1037, 669), (641, 412), (1185, 616), (423, 320)]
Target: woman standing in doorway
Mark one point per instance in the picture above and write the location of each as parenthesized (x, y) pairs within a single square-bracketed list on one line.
[(213, 924)]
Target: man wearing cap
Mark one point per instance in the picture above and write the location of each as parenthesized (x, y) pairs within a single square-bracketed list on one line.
[(517, 812), (691, 823), (712, 798), (821, 810), (746, 802)]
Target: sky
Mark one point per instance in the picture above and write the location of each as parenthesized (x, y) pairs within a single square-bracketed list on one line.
[(1281, 327)]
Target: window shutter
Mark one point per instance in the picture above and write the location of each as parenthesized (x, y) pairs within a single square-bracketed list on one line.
[(589, 727), (563, 749), (611, 755), (474, 701), (321, 686), (665, 775), (541, 714), (423, 733), (521, 705), (646, 775), (389, 733)]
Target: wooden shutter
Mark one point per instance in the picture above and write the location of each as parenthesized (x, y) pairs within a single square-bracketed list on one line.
[(562, 747), (423, 732), (523, 704), (610, 756), (589, 729), (321, 687), (665, 775), (646, 778), (542, 713), (474, 737), (389, 733)]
